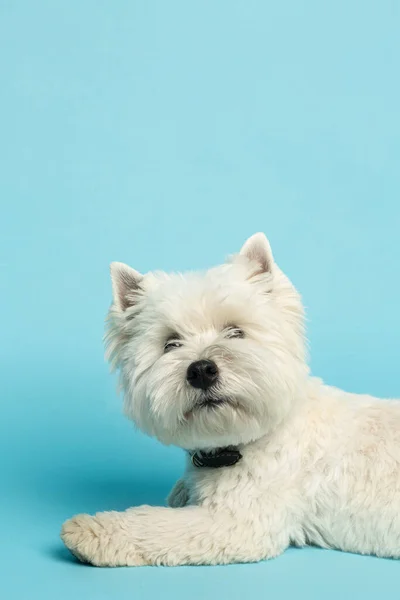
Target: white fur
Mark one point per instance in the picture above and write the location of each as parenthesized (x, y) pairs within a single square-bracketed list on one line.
[(319, 466)]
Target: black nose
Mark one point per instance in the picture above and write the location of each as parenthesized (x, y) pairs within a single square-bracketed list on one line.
[(202, 374)]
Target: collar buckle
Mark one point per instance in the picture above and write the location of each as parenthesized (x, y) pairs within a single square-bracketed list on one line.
[(221, 457)]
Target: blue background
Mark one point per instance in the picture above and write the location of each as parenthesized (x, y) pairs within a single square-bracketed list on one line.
[(162, 134)]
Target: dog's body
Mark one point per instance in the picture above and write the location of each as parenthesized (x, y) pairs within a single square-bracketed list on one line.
[(218, 360)]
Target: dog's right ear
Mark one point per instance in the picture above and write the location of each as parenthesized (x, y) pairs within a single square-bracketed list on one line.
[(257, 249), (126, 285)]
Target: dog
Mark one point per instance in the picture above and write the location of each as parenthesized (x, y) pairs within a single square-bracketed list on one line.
[(216, 364)]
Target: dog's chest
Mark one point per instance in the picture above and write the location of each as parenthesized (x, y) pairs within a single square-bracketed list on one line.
[(258, 479)]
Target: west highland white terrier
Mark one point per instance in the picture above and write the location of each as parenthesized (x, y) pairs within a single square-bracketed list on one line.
[(215, 363)]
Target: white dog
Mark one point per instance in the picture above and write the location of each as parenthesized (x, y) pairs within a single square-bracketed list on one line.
[(216, 363)]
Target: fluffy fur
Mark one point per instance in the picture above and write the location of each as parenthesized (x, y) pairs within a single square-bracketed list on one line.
[(319, 466)]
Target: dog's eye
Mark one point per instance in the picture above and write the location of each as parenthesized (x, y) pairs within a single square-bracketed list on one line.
[(172, 343), (234, 332)]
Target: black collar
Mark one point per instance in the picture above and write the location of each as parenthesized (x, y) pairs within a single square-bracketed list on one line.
[(220, 457)]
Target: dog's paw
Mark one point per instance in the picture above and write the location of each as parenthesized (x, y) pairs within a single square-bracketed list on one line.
[(179, 495), (101, 540)]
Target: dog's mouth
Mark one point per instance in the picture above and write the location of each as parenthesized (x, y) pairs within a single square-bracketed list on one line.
[(209, 402)]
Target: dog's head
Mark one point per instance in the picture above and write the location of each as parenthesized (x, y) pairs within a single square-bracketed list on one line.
[(211, 359)]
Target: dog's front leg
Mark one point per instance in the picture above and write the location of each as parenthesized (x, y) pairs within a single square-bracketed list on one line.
[(166, 536), (179, 495)]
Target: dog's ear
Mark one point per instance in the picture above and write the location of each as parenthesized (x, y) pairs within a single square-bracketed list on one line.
[(125, 285), (257, 249)]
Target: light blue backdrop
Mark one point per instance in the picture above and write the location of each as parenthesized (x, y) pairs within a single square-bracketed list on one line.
[(162, 134)]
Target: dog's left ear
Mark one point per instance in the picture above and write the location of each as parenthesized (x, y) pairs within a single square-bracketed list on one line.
[(126, 285), (257, 249)]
